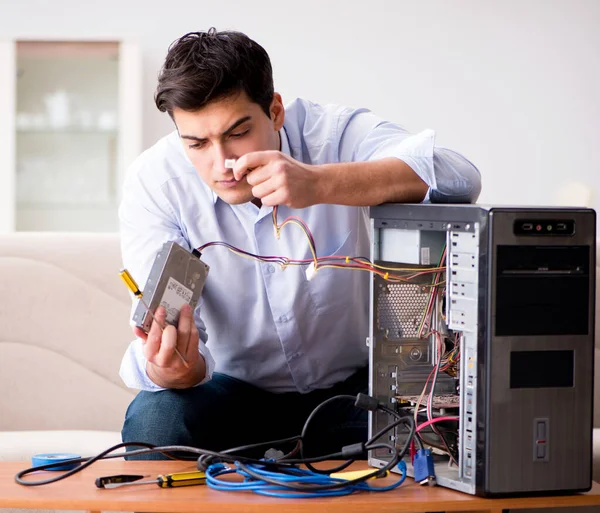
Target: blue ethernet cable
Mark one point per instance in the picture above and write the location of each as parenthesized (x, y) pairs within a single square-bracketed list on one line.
[(300, 477)]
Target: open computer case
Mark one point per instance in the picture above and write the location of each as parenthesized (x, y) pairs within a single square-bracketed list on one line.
[(484, 316)]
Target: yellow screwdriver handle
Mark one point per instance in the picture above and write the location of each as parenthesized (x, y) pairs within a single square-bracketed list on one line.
[(354, 474), (181, 479), (130, 282)]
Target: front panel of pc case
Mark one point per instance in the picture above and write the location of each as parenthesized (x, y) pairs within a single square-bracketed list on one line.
[(540, 356), (494, 307)]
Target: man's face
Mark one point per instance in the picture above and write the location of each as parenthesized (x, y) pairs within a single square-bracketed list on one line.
[(227, 129)]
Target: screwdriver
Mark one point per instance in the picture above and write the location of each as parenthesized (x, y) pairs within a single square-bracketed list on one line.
[(168, 480), (135, 290)]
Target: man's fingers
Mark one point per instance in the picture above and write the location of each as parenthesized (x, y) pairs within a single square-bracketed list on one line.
[(161, 346), (186, 319), (166, 353), (275, 198), (140, 333), (152, 346), (264, 189), (191, 350), (153, 340), (251, 161), (158, 321)]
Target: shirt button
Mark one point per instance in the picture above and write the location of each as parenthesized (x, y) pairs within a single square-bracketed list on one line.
[(270, 269), (283, 318)]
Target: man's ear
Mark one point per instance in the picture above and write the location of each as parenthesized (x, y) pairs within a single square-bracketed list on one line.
[(277, 111)]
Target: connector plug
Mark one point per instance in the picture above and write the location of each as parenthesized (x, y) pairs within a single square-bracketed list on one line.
[(353, 452), (311, 270), (423, 467), (366, 402), (273, 454)]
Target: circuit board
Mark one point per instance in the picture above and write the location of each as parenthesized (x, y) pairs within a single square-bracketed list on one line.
[(440, 401)]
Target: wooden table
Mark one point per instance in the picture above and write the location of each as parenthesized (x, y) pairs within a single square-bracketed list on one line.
[(80, 492)]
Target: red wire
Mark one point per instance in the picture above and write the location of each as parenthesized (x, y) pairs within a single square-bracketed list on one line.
[(433, 421)]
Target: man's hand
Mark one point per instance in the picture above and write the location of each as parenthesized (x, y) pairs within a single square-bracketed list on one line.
[(164, 366), (278, 179)]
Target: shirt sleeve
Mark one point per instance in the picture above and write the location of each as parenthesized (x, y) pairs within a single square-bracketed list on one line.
[(450, 177), (146, 223)]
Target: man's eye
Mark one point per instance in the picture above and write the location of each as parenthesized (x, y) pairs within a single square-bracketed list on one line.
[(239, 134), (195, 146)]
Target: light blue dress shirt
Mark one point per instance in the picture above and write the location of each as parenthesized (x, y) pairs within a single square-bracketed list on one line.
[(269, 326)]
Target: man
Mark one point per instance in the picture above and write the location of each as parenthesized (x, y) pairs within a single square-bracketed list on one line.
[(265, 344)]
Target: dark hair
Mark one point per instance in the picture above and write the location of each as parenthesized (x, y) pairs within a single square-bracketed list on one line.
[(204, 66)]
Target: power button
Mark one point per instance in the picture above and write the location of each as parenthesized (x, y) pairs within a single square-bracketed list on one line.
[(541, 439)]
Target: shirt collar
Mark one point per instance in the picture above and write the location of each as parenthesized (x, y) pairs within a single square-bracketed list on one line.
[(284, 148), (285, 143)]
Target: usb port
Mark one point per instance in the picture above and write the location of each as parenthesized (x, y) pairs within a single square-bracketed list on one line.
[(527, 226)]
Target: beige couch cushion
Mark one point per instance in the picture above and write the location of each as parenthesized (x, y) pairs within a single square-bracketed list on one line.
[(66, 318), (83, 443)]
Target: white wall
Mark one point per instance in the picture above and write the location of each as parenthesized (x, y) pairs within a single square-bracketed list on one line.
[(513, 84)]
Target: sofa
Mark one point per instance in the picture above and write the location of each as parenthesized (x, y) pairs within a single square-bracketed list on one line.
[(65, 314), (65, 318)]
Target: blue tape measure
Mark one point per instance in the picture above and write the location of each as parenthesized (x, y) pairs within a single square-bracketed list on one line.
[(44, 459)]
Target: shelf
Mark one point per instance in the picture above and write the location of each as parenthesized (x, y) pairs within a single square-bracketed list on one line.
[(67, 131), (61, 49), (70, 124), (87, 205)]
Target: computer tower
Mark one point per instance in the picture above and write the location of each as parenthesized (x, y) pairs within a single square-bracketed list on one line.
[(493, 307)]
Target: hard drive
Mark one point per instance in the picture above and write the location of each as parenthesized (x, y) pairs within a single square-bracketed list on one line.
[(177, 277)]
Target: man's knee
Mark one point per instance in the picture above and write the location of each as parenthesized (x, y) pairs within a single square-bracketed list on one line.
[(159, 418), (200, 416)]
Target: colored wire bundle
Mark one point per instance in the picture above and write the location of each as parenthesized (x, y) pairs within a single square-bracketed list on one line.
[(335, 262), (391, 274), (303, 226), (426, 320), (446, 360), (450, 359), (430, 419)]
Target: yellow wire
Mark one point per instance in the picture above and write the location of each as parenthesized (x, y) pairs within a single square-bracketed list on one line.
[(427, 270), (284, 265), (373, 267), (250, 257), (415, 272), (390, 278), (424, 270), (435, 284), (296, 222)]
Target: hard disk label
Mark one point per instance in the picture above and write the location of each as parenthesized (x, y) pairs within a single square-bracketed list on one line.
[(174, 297)]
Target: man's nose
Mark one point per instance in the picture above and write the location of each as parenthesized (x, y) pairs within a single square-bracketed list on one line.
[(219, 158)]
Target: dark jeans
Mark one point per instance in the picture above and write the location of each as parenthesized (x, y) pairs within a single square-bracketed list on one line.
[(227, 412)]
